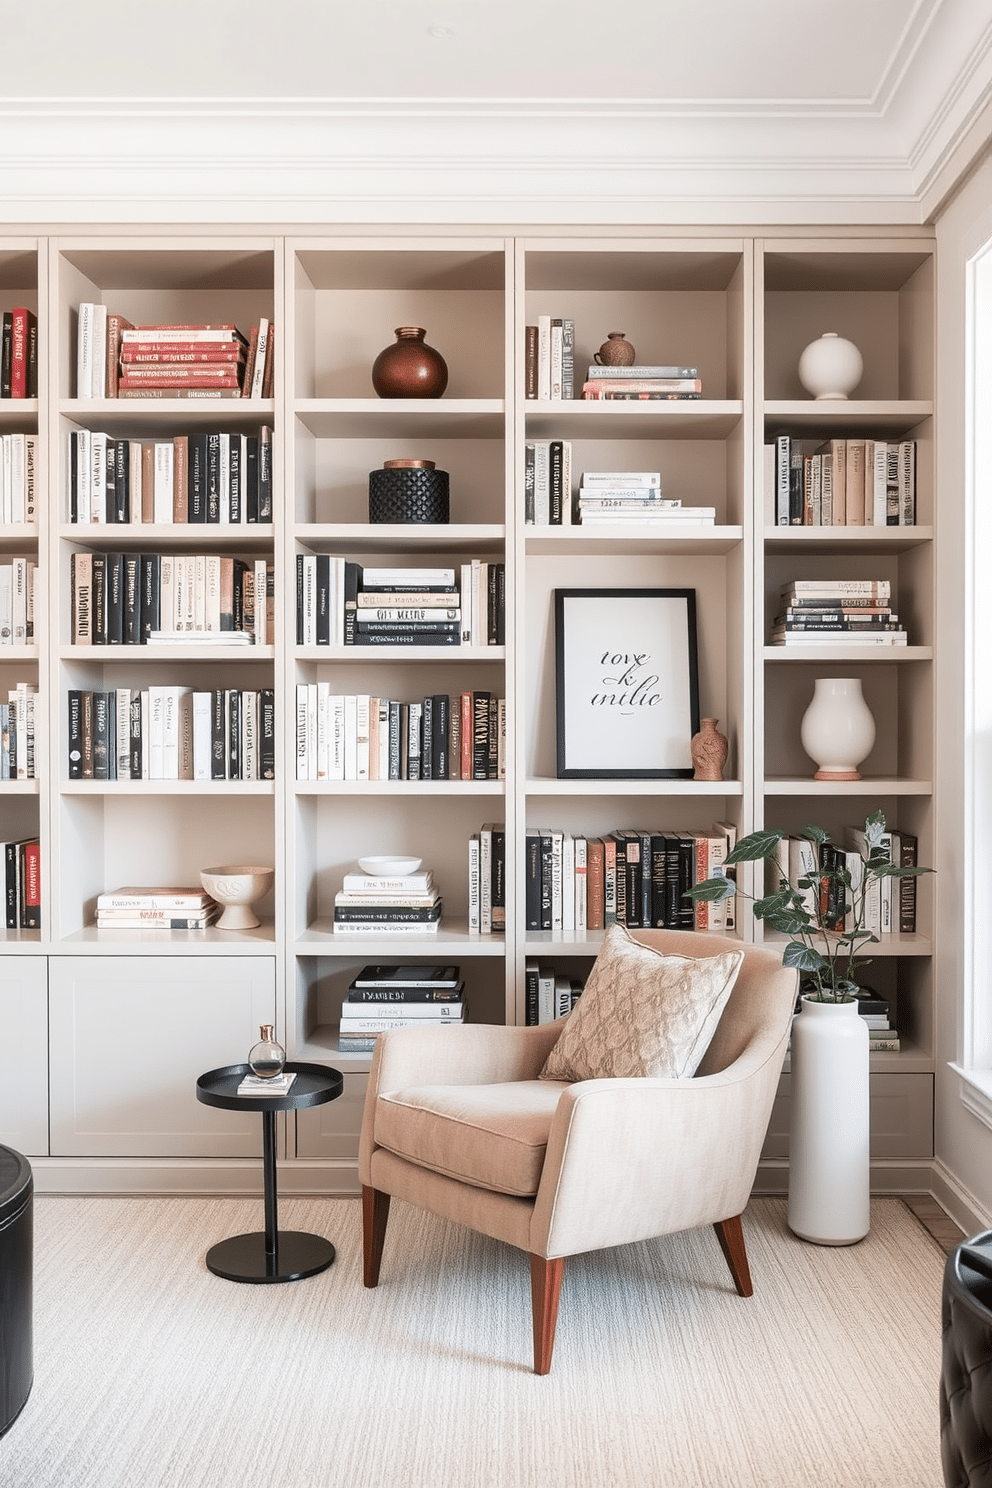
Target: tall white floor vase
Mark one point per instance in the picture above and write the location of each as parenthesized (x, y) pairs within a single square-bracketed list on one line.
[(828, 1144)]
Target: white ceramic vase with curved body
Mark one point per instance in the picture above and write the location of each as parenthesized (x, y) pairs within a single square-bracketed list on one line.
[(838, 729), (830, 367), (829, 1174)]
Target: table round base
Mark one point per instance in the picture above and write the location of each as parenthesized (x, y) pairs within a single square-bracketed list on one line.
[(244, 1257)]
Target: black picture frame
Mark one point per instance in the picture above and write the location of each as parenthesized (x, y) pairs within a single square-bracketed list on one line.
[(627, 683)]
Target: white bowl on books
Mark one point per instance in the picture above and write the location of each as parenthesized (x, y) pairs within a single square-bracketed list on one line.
[(386, 867), (237, 886)]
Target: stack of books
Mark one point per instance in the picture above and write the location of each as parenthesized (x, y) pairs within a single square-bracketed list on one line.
[(169, 732), (370, 905), (17, 733), (610, 497), (214, 477), (19, 353), (642, 382), (547, 993), (882, 1037), (411, 996), (842, 483), (176, 360), (340, 603), (837, 612), (18, 478), (487, 880), (141, 908), (17, 584), (548, 482), (21, 883), (131, 599), (549, 358)]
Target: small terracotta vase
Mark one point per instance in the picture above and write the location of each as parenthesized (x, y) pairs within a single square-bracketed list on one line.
[(708, 751), (409, 368), (616, 351)]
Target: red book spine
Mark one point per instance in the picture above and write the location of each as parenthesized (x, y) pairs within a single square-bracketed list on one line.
[(180, 377), (19, 353), (169, 352)]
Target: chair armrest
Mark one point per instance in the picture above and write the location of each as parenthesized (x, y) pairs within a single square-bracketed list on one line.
[(631, 1159), (469, 1054)]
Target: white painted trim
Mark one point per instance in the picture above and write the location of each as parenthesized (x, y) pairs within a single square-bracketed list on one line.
[(959, 1202)]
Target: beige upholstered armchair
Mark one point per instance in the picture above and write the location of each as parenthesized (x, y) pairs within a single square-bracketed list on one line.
[(458, 1122)]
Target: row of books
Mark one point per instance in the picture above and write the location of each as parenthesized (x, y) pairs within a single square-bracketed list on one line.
[(857, 482), (352, 736), (17, 586), (487, 880), (18, 478), (117, 359), (340, 603), (17, 733), (367, 904), (874, 1010), (890, 903), (549, 358), (548, 482), (137, 599), (19, 353), (140, 908), (382, 997), (168, 732), (641, 383), (828, 612), (22, 884), (633, 877), (548, 993), (211, 477)]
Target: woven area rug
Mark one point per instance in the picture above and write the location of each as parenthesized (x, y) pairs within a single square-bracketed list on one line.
[(152, 1373)]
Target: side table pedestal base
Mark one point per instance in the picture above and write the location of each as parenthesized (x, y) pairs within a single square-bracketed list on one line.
[(245, 1258)]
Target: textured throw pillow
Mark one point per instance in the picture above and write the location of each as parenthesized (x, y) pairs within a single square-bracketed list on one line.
[(642, 1013)]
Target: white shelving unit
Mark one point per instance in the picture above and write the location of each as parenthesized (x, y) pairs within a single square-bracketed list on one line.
[(739, 306)]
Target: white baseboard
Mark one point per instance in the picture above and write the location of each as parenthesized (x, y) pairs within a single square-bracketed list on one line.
[(960, 1203)]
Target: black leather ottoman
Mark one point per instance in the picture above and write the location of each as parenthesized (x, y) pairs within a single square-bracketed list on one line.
[(966, 1373), (16, 1284)]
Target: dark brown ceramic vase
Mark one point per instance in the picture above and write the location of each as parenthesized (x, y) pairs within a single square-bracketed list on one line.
[(409, 368), (616, 351)]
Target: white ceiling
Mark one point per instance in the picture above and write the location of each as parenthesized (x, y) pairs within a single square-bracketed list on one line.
[(490, 110)]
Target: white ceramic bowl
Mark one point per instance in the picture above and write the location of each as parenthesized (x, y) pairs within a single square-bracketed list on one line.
[(389, 867), (237, 886)]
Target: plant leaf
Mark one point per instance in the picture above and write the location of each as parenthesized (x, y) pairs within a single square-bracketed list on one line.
[(756, 845), (711, 890), (816, 834), (804, 958)]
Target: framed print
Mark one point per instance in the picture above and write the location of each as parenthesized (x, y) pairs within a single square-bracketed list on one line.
[(627, 683)]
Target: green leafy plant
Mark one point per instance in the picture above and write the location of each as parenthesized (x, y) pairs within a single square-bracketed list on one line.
[(824, 912)]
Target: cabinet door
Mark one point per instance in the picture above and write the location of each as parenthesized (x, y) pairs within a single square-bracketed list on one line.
[(332, 1130), (901, 1115), (24, 1088), (129, 1037)]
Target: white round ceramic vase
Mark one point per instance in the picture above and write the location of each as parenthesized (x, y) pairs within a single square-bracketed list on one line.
[(830, 367), (829, 1176), (837, 730)]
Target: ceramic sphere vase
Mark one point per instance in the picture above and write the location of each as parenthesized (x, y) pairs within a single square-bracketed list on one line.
[(829, 1175), (838, 729), (830, 367), (409, 368)]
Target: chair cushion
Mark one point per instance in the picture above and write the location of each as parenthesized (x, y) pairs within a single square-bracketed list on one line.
[(642, 1013), (493, 1136)]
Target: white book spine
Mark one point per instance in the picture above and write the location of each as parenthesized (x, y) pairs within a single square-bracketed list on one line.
[(581, 871), (302, 743), (164, 468), (474, 922), (202, 734), (123, 721), (336, 737), (84, 350)]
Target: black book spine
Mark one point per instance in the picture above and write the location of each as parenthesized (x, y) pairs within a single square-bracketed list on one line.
[(131, 634), (687, 877), (101, 736), (441, 739), (555, 458), (501, 604), (621, 876), (265, 475), (31, 388), (218, 734), (352, 584), (99, 599), (547, 873), (75, 734), (323, 600), (151, 593), (11, 895), (115, 599), (213, 478), (491, 604), (235, 478), (196, 503), (73, 476), (427, 738), (267, 733), (122, 478), (136, 722), (110, 482), (240, 569), (234, 735), (532, 879), (499, 880), (658, 856), (671, 883), (300, 587), (250, 482), (530, 994), (6, 354)]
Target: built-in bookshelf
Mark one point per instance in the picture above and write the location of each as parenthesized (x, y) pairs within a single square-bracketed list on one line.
[(737, 308)]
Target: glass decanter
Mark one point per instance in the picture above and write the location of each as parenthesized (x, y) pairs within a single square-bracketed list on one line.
[(268, 1056)]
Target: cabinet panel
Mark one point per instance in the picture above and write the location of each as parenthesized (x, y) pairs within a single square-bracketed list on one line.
[(130, 1035), (24, 1088), (332, 1130), (901, 1117)]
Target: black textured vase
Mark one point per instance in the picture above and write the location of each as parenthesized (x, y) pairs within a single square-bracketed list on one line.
[(408, 494)]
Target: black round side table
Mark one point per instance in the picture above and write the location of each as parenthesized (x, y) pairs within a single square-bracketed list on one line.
[(16, 1284), (275, 1255)]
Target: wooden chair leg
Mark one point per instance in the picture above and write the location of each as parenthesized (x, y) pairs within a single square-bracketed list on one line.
[(730, 1233), (545, 1289), (375, 1213)]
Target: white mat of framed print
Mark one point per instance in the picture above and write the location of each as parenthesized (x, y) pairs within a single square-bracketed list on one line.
[(627, 682)]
